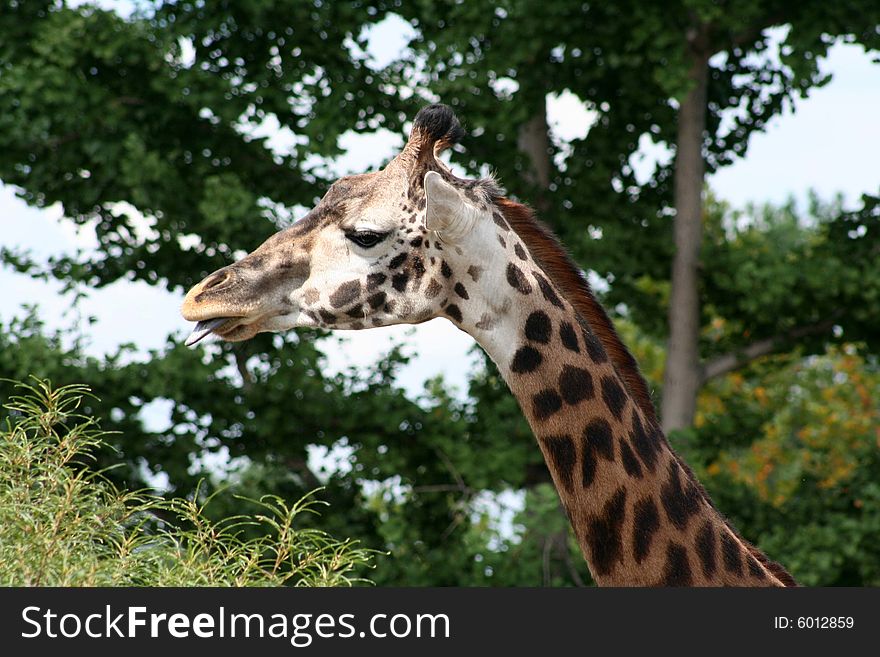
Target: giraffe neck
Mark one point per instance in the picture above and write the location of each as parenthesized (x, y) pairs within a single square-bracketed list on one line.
[(638, 513)]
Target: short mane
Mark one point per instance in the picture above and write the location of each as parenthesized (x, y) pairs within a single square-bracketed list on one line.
[(557, 263)]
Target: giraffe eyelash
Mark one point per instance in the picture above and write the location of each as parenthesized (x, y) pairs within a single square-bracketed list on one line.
[(366, 239)]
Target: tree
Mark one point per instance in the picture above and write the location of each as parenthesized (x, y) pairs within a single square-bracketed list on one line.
[(98, 109), (758, 91), (805, 487), (699, 75)]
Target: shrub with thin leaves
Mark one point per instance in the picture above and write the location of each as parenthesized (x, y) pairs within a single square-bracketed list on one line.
[(64, 524)]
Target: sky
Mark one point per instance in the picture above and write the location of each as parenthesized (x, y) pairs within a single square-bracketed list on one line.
[(829, 143)]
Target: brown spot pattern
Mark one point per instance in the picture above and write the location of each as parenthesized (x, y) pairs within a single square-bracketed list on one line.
[(678, 567), (563, 458), (433, 289), (345, 294), (517, 279), (646, 522), (597, 441), (475, 271), (546, 403), (604, 534), (575, 384)]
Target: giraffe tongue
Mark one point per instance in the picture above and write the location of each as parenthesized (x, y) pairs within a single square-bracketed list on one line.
[(204, 328)]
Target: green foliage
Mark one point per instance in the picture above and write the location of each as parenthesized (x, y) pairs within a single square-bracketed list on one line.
[(474, 56), (96, 109), (789, 449), (777, 272), (626, 61), (64, 524), (544, 551)]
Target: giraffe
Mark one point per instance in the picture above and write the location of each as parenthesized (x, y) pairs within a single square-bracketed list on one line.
[(412, 242)]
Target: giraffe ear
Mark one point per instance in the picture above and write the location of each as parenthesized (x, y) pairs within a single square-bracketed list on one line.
[(447, 210)]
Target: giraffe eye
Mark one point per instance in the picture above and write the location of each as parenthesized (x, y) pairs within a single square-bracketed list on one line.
[(366, 238)]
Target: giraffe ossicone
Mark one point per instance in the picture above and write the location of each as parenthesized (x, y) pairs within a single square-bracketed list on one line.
[(412, 242)]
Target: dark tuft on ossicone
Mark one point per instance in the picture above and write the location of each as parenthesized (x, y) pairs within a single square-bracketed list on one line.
[(439, 123)]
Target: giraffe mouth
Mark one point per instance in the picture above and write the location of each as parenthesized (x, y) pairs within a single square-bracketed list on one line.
[(204, 328)]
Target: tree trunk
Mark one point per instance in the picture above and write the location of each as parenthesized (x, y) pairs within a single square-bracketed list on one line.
[(534, 141), (682, 374)]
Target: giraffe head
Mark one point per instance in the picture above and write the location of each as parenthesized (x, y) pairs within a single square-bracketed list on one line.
[(394, 246)]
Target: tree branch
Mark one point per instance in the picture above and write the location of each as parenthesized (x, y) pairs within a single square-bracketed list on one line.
[(443, 488), (572, 571), (751, 33), (545, 559), (300, 465), (738, 358), (247, 380)]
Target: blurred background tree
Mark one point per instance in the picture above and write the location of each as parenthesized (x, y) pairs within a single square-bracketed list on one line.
[(149, 127)]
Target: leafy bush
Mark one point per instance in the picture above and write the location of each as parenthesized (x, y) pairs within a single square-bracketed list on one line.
[(64, 524)]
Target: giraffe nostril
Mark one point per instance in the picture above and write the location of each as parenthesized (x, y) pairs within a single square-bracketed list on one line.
[(217, 280)]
